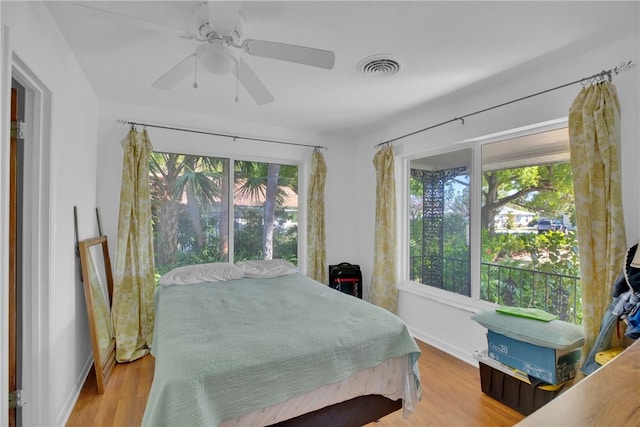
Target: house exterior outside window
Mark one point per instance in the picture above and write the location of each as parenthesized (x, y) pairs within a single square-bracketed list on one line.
[(516, 186)]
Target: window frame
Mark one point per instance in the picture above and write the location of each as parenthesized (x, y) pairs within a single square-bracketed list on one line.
[(301, 250), (472, 302), (468, 157), (303, 168)]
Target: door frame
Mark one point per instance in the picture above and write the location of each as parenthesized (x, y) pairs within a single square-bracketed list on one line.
[(5, 110), (37, 362)]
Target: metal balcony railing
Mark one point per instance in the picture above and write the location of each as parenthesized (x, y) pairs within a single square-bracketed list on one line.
[(506, 285)]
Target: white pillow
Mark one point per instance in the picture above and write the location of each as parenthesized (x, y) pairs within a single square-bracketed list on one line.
[(266, 268), (190, 274)]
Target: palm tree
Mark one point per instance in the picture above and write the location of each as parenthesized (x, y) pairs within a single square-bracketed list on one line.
[(263, 181), (200, 182), (223, 220), (270, 209), (174, 176), (190, 182), (165, 169)]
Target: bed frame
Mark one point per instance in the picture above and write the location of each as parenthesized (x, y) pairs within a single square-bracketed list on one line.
[(355, 412)]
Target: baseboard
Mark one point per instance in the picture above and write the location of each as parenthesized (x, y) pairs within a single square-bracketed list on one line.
[(444, 346), (70, 402)]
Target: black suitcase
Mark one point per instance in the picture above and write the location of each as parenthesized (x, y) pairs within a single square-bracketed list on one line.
[(346, 278)]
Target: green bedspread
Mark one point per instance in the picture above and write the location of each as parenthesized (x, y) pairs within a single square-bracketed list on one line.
[(228, 348)]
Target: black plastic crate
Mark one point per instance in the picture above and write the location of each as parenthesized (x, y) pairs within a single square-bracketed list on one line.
[(513, 392)]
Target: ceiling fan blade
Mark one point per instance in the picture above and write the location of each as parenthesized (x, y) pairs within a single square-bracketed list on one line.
[(252, 84), (176, 74), (143, 23), (223, 15), (292, 53)]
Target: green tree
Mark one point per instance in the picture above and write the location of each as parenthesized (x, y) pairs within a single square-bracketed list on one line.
[(185, 189), (509, 224), (265, 181), (547, 188), (270, 209), (165, 169), (174, 177), (200, 182)]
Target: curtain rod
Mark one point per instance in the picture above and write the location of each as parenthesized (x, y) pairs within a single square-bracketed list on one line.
[(624, 66), (127, 122)]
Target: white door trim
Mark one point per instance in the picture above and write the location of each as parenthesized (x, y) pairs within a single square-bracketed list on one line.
[(5, 100), (37, 361)]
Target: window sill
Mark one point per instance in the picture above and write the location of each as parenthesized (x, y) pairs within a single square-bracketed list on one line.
[(443, 297)]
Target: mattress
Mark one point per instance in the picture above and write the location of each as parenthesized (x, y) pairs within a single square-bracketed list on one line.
[(258, 351), (392, 378)]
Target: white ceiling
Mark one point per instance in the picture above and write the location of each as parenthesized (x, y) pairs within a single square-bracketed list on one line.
[(444, 46)]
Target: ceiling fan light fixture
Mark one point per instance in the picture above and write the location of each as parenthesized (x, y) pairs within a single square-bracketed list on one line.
[(216, 57)]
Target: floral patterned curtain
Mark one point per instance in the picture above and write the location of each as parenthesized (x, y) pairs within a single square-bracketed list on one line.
[(134, 276), (384, 291), (594, 133), (316, 252)]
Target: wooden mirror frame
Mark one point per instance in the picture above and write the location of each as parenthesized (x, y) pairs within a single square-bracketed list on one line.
[(104, 360)]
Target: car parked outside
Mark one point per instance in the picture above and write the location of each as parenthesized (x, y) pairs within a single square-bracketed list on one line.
[(544, 225), (557, 225)]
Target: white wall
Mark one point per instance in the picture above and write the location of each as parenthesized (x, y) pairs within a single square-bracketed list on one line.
[(61, 322), (442, 319)]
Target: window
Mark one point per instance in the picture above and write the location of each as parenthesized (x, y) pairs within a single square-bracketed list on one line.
[(527, 246), (439, 221), (194, 207), (265, 211)]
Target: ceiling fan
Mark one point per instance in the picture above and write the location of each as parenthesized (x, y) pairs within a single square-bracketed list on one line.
[(219, 27)]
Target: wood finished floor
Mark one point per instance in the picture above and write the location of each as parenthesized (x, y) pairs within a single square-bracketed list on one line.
[(451, 396)]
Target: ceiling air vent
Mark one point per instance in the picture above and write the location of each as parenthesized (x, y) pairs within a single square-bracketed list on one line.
[(381, 65)]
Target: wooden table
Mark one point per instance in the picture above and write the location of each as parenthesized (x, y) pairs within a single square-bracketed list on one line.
[(607, 397)]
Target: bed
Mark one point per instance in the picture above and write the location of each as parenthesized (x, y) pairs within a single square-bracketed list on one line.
[(275, 350)]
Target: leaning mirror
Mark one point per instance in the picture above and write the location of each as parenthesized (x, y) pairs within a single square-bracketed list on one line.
[(98, 288)]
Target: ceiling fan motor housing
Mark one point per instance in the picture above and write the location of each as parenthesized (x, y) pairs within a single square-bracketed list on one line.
[(209, 32)]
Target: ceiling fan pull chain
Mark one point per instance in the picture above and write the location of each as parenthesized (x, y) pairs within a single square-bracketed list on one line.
[(237, 77), (195, 74)]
